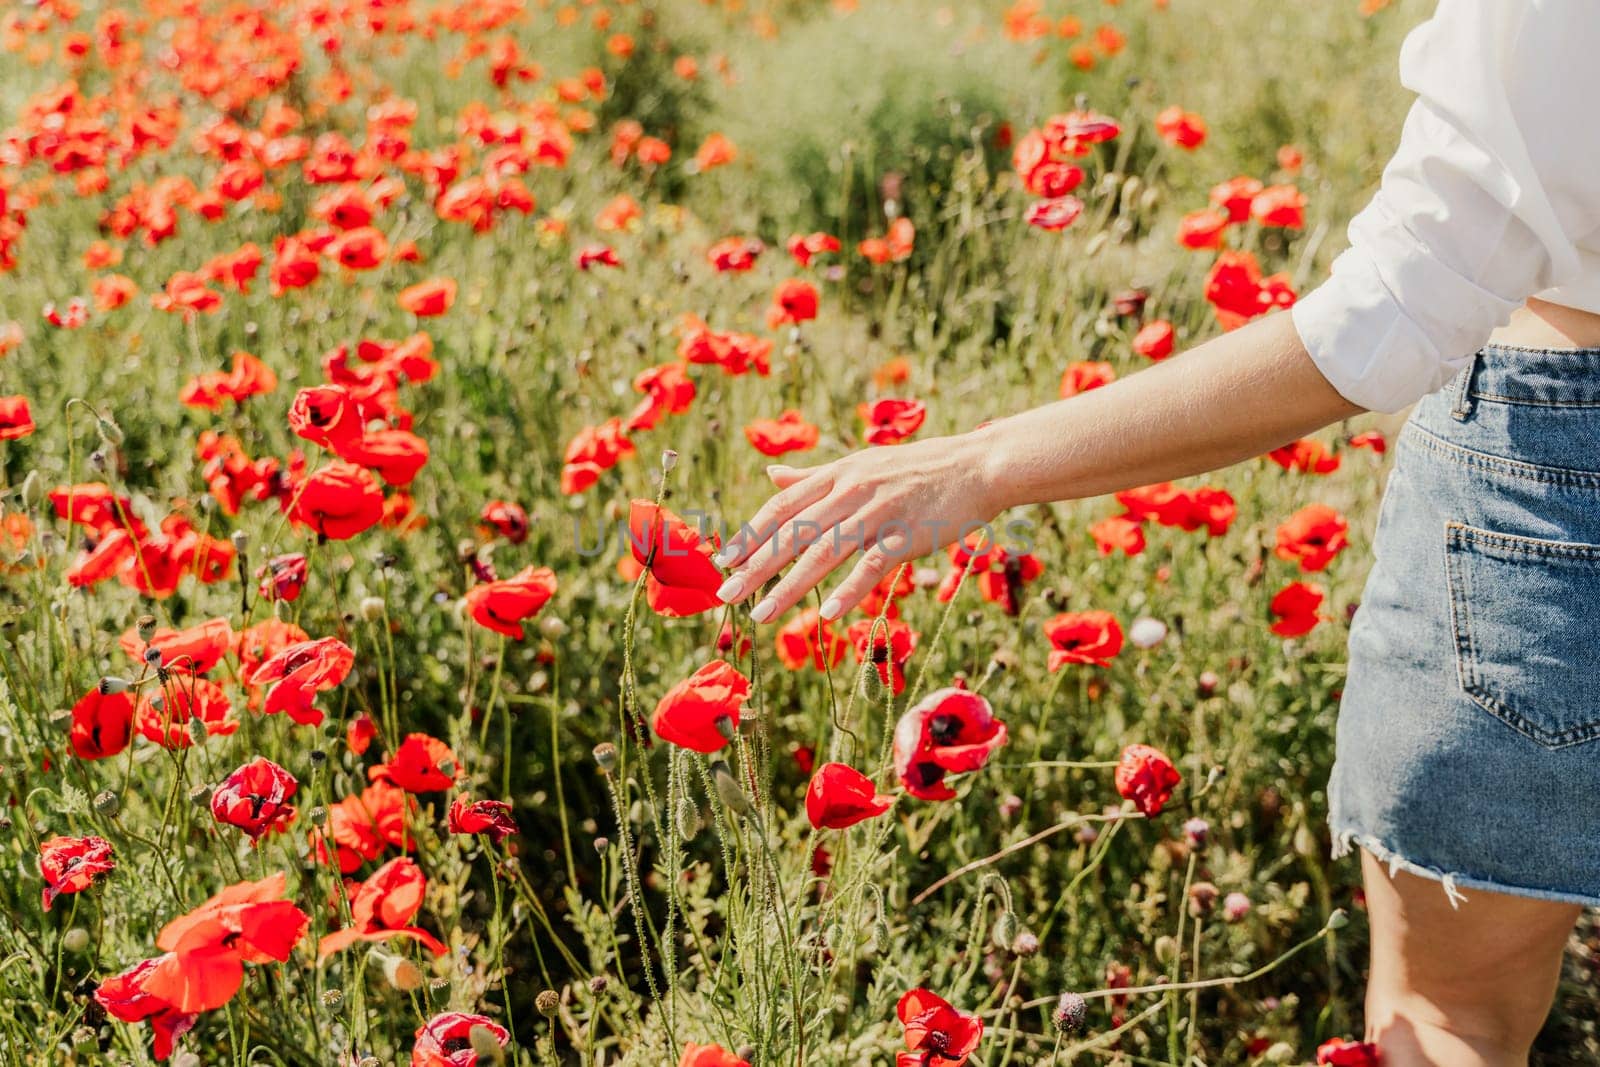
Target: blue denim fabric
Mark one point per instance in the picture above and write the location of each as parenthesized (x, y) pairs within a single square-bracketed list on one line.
[(1469, 730)]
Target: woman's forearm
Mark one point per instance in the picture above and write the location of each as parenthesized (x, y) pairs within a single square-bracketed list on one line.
[(1234, 397)]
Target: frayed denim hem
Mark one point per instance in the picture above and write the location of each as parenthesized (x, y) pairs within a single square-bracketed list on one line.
[(1453, 882)]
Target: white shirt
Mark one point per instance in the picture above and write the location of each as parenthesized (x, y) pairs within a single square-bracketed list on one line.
[(1492, 197)]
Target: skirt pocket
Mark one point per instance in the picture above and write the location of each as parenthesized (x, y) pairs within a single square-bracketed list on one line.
[(1525, 613)]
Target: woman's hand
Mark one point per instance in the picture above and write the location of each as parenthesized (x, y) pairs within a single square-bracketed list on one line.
[(891, 504)]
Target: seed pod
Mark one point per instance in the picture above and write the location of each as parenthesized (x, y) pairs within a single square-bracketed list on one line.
[(146, 627), (547, 1002), (669, 460), (241, 541), (107, 804), (605, 754), (332, 998), (111, 684), (200, 795)]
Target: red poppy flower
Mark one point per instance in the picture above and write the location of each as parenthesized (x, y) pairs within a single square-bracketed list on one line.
[(283, 577), (396, 456), (1182, 128), (502, 605), (789, 432), (682, 578), (1202, 229), (1312, 536), (326, 415), (840, 796), (709, 1056), (1235, 195), (1279, 205), (887, 645), (667, 389), (1340, 1052), (294, 265), (186, 292), (735, 253), (254, 645), (1154, 340), (805, 247), (806, 638), (1000, 574), (1307, 455), (94, 506), (194, 650), (124, 998), (597, 255), (1295, 608), (940, 1034), (794, 301), (207, 948), (361, 826), (715, 151), (1084, 375), (446, 1040), (702, 711), (492, 817), (1372, 439), (422, 764), (1118, 531), (1083, 637), (255, 798), (382, 907), (1053, 214), (432, 297), (735, 353), (1147, 777), (894, 247), (339, 501), (73, 864), (163, 716), (102, 724), (892, 421), (299, 672), (506, 519), (951, 731), (16, 421)]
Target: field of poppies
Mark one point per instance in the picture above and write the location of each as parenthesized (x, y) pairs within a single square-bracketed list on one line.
[(378, 379)]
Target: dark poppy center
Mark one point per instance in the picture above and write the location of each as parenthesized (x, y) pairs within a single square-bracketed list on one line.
[(452, 1045), (944, 729)]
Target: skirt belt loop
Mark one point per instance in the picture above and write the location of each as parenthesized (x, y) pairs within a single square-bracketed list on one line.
[(1461, 409)]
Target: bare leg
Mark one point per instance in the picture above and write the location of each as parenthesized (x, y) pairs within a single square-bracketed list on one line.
[(1458, 987)]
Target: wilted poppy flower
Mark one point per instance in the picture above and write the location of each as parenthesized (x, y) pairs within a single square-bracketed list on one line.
[(301, 671), (793, 301), (506, 519), (1307, 455), (1093, 637), (255, 798), (1340, 1052), (1147, 777), (1053, 214), (16, 421), (789, 432), (422, 764), (1182, 128), (951, 731), (432, 297), (682, 580), (1084, 375), (446, 1039), (840, 796), (124, 998), (709, 1056), (1295, 607), (207, 948), (501, 606), (1312, 536), (892, 421), (942, 1035), (382, 908), (163, 716), (1154, 340), (807, 638), (102, 724), (339, 501), (702, 711), (492, 817), (887, 645), (72, 864)]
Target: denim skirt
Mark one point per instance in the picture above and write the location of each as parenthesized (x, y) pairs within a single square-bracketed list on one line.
[(1469, 729)]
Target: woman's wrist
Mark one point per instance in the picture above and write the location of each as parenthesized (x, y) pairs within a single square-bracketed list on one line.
[(996, 457)]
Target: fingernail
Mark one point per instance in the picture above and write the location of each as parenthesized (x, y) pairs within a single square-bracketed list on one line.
[(764, 610), (777, 469), (725, 555), (831, 608), (729, 590)]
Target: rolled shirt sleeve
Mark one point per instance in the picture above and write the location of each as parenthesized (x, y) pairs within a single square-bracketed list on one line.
[(1493, 188)]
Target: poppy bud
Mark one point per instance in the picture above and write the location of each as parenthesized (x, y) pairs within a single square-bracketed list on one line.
[(111, 684), (75, 940), (107, 804), (1339, 919), (548, 1001), (33, 491), (318, 815), (401, 974), (1166, 948), (372, 608), (197, 731), (605, 754), (1070, 1014), (688, 819), (728, 789), (882, 937), (1006, 929), (552, 627), (110, 432)]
